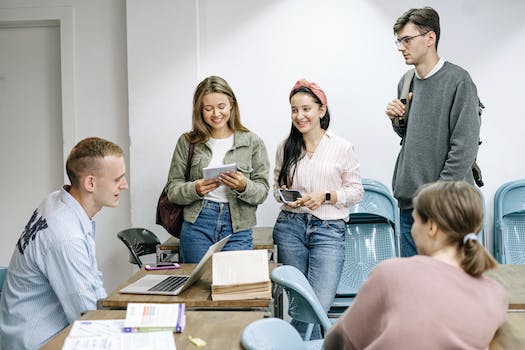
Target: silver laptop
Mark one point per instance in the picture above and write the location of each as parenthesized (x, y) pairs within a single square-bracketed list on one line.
[(174, 284)]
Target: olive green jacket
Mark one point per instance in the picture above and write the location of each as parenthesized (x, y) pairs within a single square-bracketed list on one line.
[(251, 157)]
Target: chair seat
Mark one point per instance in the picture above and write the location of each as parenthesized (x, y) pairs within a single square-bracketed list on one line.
[(514, 231), (272, 333)]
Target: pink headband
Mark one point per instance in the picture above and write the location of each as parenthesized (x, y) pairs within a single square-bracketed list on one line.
[(313, 87)]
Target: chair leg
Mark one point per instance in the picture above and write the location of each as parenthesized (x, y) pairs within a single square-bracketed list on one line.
[(309, 331)]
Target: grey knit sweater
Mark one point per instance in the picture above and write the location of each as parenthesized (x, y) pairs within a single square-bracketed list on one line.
[(441, 141)]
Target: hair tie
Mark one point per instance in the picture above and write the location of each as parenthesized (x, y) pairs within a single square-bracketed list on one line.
[(316, 90), (470, 237)]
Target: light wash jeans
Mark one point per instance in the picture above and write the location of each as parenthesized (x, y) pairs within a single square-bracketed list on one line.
[(212, 225), (408, 247), (317, 248)]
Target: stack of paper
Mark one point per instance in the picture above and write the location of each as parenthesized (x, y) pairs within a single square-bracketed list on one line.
[(108, 335), (240, 274), (154, 317)]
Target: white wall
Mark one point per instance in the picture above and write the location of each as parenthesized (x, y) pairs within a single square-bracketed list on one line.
[(94, 102), (261, 48)]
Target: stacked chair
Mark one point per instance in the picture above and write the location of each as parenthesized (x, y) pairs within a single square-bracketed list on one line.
[(372, 235), (509, 223)]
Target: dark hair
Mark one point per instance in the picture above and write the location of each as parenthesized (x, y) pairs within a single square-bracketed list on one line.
[(426, 19), (457, 209), (294, 149), (212, 84), (84, 157)]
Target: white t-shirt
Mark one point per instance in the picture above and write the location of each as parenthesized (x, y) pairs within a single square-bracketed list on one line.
[(219, 148)]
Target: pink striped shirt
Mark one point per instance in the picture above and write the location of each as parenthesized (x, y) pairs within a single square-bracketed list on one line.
[(333, 167)]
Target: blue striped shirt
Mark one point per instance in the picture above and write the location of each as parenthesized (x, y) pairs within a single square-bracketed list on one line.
[(53, 275)]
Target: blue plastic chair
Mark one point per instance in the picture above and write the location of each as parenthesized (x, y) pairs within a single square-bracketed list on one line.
[(272, 334), (372, 236), (509, 223), (3, 273), (303, 304), (481, 234)]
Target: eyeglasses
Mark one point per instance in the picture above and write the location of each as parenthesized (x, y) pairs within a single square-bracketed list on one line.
[(406, 39)]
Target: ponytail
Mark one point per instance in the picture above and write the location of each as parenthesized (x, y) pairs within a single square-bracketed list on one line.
[(474, 258)]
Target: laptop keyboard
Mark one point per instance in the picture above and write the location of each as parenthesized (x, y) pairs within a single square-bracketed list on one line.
[(169, 284)]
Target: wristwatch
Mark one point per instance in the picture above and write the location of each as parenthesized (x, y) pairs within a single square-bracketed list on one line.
[(327, 197)]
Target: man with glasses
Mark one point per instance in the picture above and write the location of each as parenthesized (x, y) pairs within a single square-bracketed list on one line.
[(440, 133)]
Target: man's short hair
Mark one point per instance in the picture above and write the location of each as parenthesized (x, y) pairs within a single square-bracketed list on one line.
[(85, 155), (426, 19)]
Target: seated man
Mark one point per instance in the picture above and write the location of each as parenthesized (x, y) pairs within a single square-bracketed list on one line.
[(53, 275)]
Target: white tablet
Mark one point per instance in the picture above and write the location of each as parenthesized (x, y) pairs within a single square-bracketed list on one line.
[(213, 172)]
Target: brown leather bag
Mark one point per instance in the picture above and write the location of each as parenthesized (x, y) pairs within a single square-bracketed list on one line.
[(170, 215)]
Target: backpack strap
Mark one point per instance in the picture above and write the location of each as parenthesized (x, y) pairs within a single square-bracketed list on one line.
[(401, 122), (409, 76)]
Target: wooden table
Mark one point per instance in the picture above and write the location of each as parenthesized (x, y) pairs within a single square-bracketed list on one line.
[(197, 296), (512, 334), (262, 239), (512, 277), (220, 329)]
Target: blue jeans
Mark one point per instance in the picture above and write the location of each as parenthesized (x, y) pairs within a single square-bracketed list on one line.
[(317, 248), (213, 224), (408, 247)]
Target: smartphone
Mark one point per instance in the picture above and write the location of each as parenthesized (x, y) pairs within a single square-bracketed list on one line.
[(288, 196), (162, 266)]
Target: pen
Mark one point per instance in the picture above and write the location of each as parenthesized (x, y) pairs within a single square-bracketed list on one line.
[(178, 327)]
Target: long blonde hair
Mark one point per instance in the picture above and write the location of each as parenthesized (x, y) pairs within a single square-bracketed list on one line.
[(212, 84), (457, 209)]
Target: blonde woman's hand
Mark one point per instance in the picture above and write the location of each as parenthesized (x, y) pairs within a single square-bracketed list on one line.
[(234, 179), (203, 187)]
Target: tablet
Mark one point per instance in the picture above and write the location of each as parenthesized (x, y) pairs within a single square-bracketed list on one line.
[(213, 172)]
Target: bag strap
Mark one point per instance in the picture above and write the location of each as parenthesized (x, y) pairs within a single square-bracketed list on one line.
[(188, 164), (409, 76)]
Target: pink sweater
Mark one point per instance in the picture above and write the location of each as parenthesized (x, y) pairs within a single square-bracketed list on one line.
[(421, 303)]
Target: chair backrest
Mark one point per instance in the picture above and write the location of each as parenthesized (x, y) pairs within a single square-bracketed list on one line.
[(140, 241), (3, 273), (271, 334), (509, 223), (303, 304), (371, 236)]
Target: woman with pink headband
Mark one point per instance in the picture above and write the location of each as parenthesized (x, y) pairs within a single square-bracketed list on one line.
[(309, 232)]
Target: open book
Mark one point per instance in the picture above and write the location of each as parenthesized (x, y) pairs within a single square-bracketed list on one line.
[(240, 274), (108, 335), (154, 317)]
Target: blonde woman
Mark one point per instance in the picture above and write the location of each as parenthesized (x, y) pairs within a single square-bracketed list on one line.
[(215, 208)]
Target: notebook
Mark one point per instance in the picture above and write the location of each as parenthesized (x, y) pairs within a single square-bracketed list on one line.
[(174, 284)]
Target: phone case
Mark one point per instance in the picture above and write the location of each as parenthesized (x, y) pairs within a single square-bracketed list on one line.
[(168, 267), (288, 196)]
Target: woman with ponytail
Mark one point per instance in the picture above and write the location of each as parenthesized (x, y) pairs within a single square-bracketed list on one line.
[(439, 299)]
